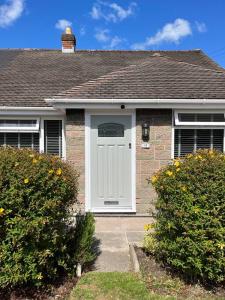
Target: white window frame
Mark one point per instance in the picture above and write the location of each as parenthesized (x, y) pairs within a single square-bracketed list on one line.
[(42, 135), (39, 129), (196, 125), (20, 129), (193, 123)]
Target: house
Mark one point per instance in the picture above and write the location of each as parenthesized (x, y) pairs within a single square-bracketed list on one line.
[(116, 116)]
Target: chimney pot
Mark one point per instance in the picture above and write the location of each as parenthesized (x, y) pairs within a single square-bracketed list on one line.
[(68, 41)]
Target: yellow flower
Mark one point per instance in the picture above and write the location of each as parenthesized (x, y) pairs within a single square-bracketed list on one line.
[(39, 276), (169, 173), (211, 152), (40, 157), (221, 245), (178, 169), (51, 171), (177, 164), (184, 188), (147, 227), (34, 161), (198, 157), (196, 210), (154, 179), (2, 211), (189, 155), (31, 155), (26, 180), (59, 172)]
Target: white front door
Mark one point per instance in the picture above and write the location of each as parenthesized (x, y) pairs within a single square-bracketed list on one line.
[(110, 163)]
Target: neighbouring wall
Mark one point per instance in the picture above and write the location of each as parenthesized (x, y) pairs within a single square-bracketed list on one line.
[(148, 161)]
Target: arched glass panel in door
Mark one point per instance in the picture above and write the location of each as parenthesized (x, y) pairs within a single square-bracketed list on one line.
[(111, 130)]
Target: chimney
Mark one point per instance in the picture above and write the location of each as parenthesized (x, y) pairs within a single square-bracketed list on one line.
[(68, 41)]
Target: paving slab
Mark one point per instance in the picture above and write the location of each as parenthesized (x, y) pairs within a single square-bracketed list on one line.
[(114, 234)]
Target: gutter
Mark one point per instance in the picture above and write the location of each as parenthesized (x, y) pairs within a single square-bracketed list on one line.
[(26, 108), (15, 110), (137, 103)]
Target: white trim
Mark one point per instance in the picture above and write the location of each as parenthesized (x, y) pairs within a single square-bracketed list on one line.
[(42, 142), (30, 111), (172, 136), (88, 114), (224, 141), (137, 103), (26, 108), (68, 50), (18, 128), (87, 162), (42, 137), (39, 128), (193, 123)]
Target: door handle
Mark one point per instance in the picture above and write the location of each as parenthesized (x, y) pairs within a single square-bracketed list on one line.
[(129, 145)]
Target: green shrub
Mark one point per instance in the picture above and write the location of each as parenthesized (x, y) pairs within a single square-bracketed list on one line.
[(190, 221), (85, 229), (36, 194)]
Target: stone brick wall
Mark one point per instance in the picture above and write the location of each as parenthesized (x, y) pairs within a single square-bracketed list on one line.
[(75, 147), (148, 161)]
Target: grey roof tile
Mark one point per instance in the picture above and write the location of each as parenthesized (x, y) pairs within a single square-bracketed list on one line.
[(27, 77)]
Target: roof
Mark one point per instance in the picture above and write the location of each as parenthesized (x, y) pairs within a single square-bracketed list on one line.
[(28, 77), (156, 78)]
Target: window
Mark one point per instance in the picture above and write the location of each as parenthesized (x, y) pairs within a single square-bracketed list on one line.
[(26, 134), (53, 137), (111, 130), (216, 119), (13, 125), (20, 140), (190, 140)]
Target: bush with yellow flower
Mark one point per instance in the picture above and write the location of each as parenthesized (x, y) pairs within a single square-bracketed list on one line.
[(38, 242), (189, 233)]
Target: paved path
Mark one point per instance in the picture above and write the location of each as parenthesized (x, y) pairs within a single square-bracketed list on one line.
[(114, 235)]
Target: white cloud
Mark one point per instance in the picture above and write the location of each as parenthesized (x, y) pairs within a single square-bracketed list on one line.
[(115, 41), (109, 42), (62, 24), (102, 35), (111, 12), (201, 27), (170, 33), (11, 11)]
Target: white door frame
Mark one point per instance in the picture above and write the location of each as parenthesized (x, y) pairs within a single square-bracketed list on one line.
[(88, 114)]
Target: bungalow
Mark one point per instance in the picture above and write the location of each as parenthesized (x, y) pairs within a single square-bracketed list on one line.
[(116, 116)]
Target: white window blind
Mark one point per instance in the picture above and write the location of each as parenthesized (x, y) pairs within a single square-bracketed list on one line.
[(53, 137), (189, 140), (20, 140)]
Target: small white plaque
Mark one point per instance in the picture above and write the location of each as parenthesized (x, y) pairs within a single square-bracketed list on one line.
[(145, 145)]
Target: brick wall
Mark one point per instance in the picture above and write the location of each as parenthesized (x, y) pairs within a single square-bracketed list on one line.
[(75, 147), (148, 160)]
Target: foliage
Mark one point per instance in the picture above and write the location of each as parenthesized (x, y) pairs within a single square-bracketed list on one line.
[(85, 229), (150, 242), (190, 227), (36, 194)]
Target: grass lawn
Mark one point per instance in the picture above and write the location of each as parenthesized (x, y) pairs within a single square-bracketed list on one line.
[(116, 286)]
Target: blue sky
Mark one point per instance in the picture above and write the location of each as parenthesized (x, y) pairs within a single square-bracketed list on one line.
[(116, 24)]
